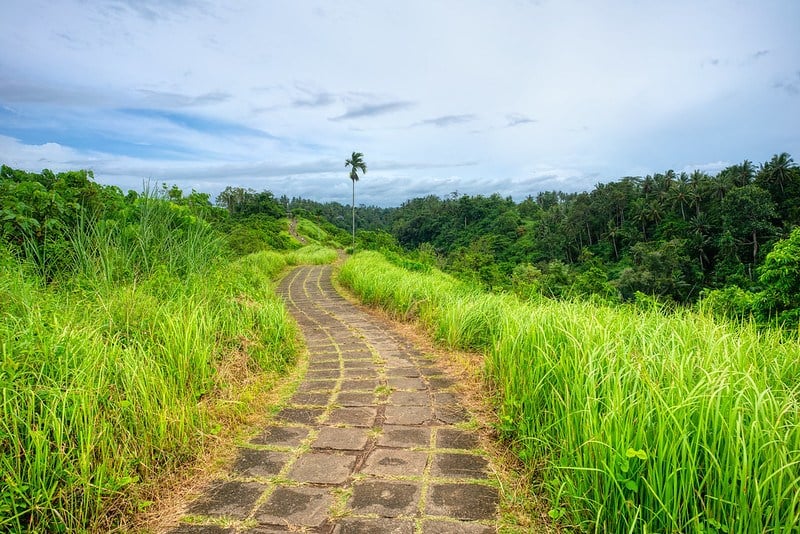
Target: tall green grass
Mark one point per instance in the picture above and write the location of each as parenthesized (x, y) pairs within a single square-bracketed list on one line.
[(311, 255), (639, 421), (109, 374)]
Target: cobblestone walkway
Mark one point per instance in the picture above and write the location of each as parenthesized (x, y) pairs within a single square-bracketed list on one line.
[(372, 441)]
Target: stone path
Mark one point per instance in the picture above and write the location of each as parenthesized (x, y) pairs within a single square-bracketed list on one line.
[(373, 440)]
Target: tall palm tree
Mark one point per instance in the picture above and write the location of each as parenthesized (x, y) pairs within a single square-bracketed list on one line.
[(356, 163)]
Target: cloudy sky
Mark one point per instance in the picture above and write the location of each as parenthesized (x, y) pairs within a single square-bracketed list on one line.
[(477, 97)]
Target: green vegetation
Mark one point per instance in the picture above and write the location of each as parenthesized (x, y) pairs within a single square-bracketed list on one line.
[(640, 339), (638, 421), (311, 255), (672, 236), (130, 334), (321, 231)]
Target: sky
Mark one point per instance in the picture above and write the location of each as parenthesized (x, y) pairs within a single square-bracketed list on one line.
[(469, 97)]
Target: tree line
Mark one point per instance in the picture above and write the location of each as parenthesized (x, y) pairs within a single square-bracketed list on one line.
[(670, 235)]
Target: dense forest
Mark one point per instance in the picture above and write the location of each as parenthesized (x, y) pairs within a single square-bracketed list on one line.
[(672, 236)]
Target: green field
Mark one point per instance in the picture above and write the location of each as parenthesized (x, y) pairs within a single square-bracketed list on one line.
[(636, 420)]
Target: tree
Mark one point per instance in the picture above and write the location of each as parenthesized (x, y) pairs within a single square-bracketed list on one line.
[(355, 163), (780, 275), (747, 213), (777, 170)]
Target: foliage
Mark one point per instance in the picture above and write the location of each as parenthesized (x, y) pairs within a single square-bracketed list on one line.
[(321, 231), (638, 421), (127, 338), (780, 277), (106, 387), (669, 235), (311, 255), (254, 221), (377, 240), (242, 202), (254, 233)]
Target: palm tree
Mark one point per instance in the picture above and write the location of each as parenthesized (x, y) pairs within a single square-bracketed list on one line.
[(356, 163), (776, 169), (679, 194)]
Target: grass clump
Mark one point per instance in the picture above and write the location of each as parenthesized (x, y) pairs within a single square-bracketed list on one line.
[(311, 255), (637, 420)]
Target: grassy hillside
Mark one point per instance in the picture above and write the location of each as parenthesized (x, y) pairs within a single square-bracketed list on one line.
[(638, 421), (128, 340)]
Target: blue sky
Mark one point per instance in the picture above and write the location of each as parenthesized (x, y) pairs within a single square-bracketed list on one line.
[(512, 96)]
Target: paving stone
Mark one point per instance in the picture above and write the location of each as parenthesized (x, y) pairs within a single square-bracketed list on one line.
[(408, 372), (359, 384), (356, 416), (301, 506), (441, 382), (405, 383), (322, 468), (345, 439), (394, 362), (445, 397), (348, 345), (385, 345), (359, 364), (452, 438), (384, 498), (313, 374), (201, 529), (230, 499), (430, 370), (315, 346), (257, 463), (360, 373), (355, 399), (281, 436), (373, 526), (316, 385), (462, 501), (451, 413), (324, 357), (408, 415), (456, 465), (394, 462), (405, 436), (325, 365), (306, 416), (311, 399), (455, 527), (362, 354), (409, 398)]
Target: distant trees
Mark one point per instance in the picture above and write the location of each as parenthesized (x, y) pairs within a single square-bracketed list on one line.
[(668, 234), (243, 202), (254, 220)]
